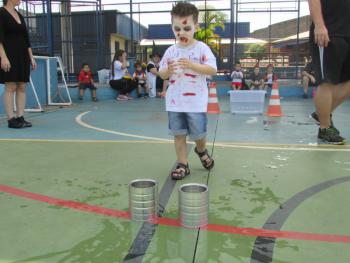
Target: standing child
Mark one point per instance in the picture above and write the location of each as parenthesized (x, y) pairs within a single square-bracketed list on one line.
[(237, 77), (86, 81), (270, 77), (140, 77), (187, 64)]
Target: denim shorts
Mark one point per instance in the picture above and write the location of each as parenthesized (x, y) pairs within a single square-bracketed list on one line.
[(184, 123)]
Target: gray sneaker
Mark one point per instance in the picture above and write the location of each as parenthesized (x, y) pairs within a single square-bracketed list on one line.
[(314, 116), (330, 135)]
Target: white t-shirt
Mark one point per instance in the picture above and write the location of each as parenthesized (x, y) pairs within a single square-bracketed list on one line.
[(119, 73), (237, 76), (188, 91)]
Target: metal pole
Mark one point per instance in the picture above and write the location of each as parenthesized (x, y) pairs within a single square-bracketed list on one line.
[(49, 29), (231, 34), (297, 46), (131, 31), (270, 35), (236, 32)]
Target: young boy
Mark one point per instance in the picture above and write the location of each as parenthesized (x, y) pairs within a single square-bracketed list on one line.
[(187, 64), (270, 77), (140, 77), (237, 77), (86, 81)]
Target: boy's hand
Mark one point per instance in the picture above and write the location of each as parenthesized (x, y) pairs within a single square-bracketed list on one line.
[(185, 63), (171, 68)]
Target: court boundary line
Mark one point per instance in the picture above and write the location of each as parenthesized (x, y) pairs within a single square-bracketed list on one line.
[(287, 147), (244, 231)]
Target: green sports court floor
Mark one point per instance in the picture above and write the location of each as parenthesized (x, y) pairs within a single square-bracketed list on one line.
[(276, 195)]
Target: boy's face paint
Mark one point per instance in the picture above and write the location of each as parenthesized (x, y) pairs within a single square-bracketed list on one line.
[(184, 29)]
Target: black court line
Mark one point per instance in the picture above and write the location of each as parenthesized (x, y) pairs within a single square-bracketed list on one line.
[(147, 230), (212, 154), (264, 246)]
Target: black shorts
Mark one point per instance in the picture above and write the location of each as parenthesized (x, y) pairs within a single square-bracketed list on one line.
[(86, 86), (334, 66)]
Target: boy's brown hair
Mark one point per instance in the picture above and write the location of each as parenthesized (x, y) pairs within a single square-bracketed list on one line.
[(183, 9)]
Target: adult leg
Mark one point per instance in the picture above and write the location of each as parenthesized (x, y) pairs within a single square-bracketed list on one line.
[(340, 93), (10, 88), (20, 104), (306, 84), (323, 102)]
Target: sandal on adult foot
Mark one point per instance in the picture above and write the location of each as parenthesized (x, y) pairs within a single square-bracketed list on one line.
[(180, 172), (207, 161)]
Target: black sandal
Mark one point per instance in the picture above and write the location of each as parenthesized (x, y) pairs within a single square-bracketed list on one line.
[(180, 172), (208, 162)]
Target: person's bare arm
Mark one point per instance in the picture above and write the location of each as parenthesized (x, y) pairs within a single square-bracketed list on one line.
[(32, 59), (5, 63), (321, 32), (199, 68), (167, 72), (154, 71)]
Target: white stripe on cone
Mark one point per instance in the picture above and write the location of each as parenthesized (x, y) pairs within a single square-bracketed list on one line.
[(274, 92), (213, 100), (212, 91), (275, 102)]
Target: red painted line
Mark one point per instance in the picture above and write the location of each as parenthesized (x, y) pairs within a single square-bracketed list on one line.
[(64, 203), (255, 232)]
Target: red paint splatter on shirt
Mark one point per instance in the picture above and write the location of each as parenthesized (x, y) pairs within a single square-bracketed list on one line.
[(204, 58), (189, 94), (172, 81), (190, 75)]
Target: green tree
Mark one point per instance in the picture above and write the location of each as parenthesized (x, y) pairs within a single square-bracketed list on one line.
[(256, 51), (209, 21)]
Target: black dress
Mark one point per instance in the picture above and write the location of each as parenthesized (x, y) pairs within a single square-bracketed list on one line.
[(15, 40)]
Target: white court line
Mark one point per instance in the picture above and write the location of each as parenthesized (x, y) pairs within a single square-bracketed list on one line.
[(78, 141), (84, 124), (286, 147)]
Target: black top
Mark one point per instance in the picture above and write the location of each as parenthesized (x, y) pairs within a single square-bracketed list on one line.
[(336, 15), (15, 40), (150, 66), (308, 68), (255, 77)]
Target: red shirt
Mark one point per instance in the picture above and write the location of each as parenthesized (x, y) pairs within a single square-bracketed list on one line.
[(85, 77)]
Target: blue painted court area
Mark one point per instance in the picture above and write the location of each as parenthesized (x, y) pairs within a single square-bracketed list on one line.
[(141, 119)]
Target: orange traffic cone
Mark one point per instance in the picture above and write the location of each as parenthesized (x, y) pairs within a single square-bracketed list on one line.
[(274, 108), (213, 103)]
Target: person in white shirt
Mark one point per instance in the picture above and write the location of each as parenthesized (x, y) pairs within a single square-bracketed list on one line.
[(155, 83), (237, 77), (120, 78), (187, 65)]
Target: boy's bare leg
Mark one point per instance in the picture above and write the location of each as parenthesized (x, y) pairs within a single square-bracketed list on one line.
[(323, 103), (81, 93), (201, 145), (93, 91), (181, 148), (139, 90)]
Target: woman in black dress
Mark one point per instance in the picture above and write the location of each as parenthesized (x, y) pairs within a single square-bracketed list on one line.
[(16, 57)]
